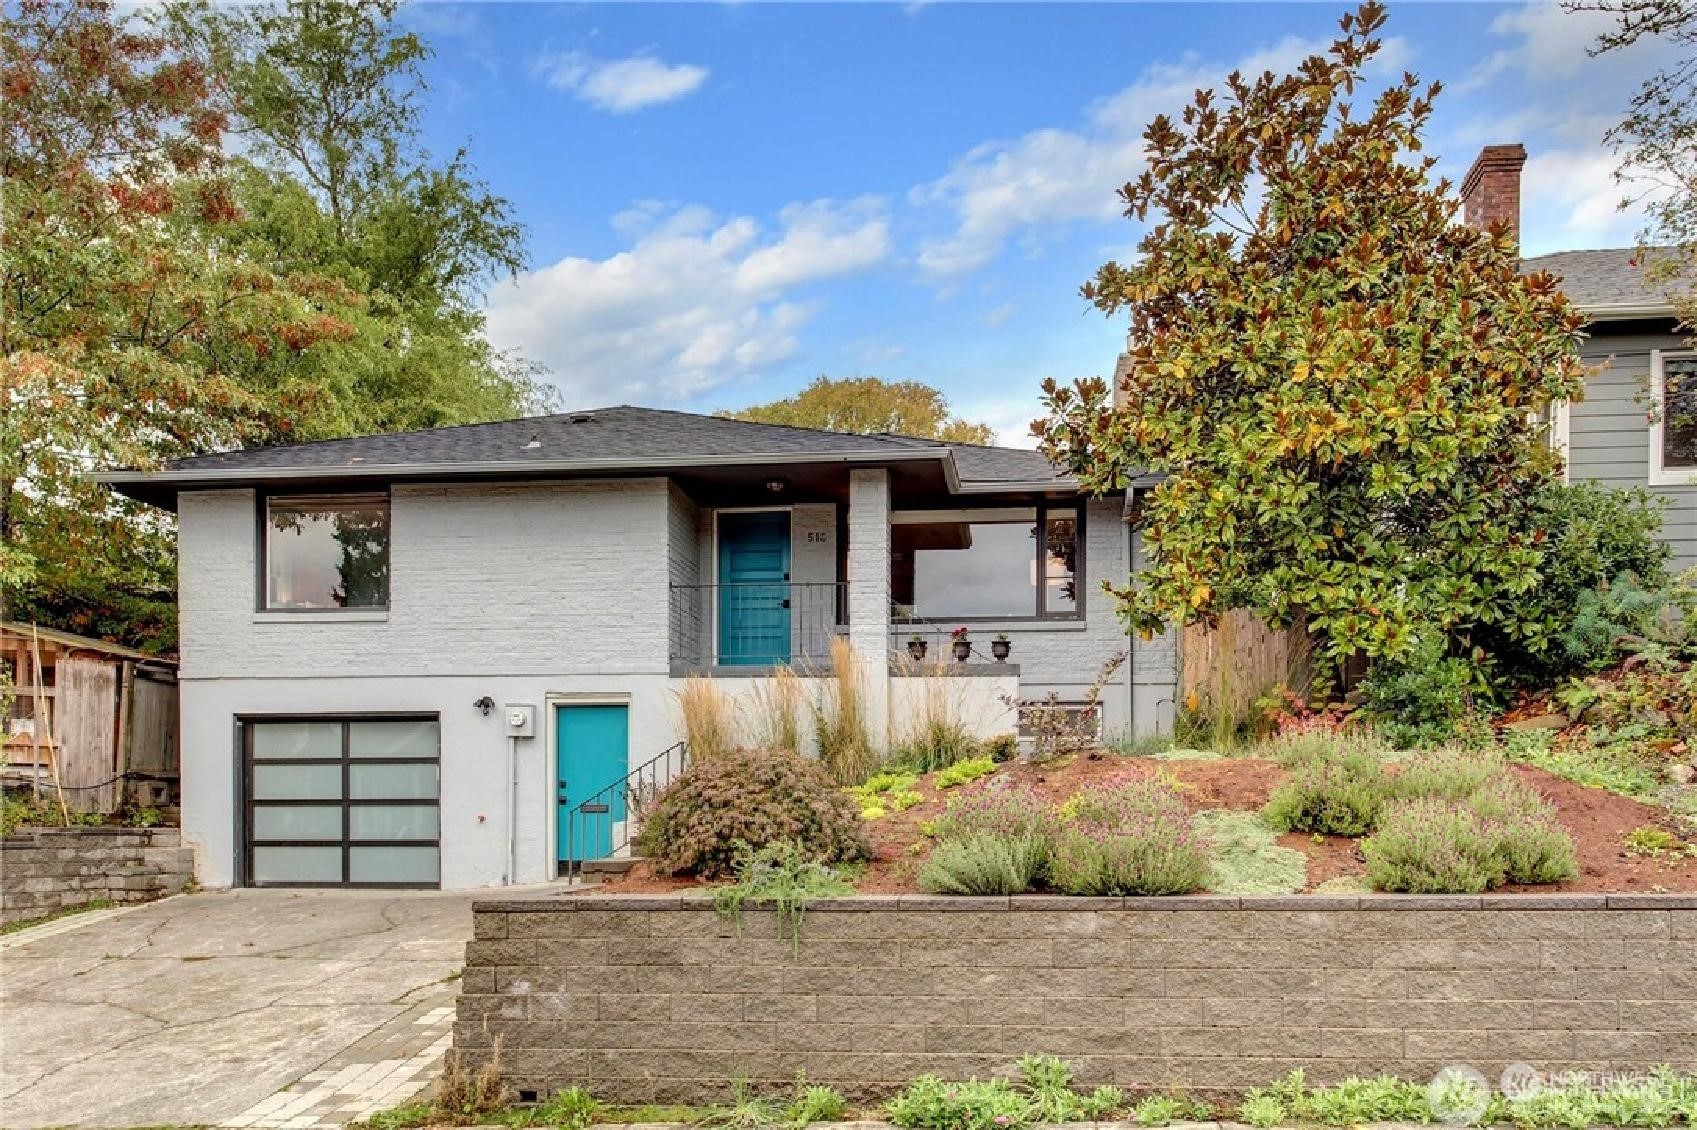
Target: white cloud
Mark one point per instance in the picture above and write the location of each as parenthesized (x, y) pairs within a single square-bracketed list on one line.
[(1552, 43), (619, 85), (695, 301), (1003, 189), (1571, 200)]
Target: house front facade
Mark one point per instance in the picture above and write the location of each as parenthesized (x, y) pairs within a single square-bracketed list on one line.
[(451, 658), (1637, 424)]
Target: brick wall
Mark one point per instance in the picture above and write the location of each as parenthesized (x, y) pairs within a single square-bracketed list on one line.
[(45, 870), (659, 998)]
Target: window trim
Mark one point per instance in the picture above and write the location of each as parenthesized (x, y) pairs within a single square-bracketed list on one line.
[(247, 841), (990, 513), (1659, 474), (262, 553)]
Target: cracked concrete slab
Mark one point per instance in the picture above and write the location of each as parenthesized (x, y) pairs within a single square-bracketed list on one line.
[(194, 1010)]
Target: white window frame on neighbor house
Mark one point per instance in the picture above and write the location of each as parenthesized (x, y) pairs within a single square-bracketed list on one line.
[(1560, 436), (1660, 475)]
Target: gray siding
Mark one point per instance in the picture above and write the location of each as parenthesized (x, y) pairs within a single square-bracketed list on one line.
[(684, 557), (1609, 431)]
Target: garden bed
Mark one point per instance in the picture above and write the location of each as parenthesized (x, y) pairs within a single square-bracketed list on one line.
[(1598, 821)]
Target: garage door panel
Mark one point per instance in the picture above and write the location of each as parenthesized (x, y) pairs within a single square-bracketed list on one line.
[(297, 782), (297, 822), (393, 822), (392, 864), (390, 738), (297, 864), (399, 781), (297, 740)]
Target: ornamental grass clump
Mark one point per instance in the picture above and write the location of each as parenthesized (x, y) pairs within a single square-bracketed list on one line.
[(1134, 840)]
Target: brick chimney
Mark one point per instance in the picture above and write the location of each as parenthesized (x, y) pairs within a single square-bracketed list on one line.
[(1490, 193)]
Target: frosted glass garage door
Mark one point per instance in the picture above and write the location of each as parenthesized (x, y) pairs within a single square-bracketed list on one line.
[(343, 802)]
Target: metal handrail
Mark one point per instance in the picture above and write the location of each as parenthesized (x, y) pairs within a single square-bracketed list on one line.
[(759, 623), (617, 809)]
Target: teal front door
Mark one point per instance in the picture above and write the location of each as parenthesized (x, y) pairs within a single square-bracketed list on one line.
[(754, 589), (591, 761)]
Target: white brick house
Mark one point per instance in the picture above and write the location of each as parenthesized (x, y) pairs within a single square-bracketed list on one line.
[(409, 659)]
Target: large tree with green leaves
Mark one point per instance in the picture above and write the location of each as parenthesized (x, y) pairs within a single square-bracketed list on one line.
[(128, 327), (1342, 385), (868, 406), (334, 181)]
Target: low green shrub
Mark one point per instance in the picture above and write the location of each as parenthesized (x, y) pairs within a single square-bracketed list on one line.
[(571, 1109), (984, 863), (1426, 697), (929, 1103), (1351, 1102), (1450, 773), (783, 874), (1015, 812), (1002, 748), (816, 1104), (890, 790), (1623, 767), (1505, 833), (1047, 1083), (1338, 795), (1134, 840), (965, 772), (700, 822)]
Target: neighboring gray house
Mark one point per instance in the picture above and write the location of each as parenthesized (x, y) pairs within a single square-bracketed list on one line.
[(1637, 425), (411, 659)]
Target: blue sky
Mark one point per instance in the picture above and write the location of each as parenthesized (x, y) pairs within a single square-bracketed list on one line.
[(727, 200)]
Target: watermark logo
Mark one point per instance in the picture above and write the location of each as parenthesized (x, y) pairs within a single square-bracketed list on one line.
[(1521, 1081), (1458, 1095)]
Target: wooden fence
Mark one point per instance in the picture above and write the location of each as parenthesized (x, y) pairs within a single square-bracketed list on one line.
[(1223, 670)]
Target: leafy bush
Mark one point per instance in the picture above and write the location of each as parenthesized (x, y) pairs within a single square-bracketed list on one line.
[(1134, 840), (1351, 1102), (1504, 833), (1425, 697), (815, 1104), (965, 772), (1002, 748), (928, 1103), (985, 864), (1047, 1083), (1338, 795), (754, 798)]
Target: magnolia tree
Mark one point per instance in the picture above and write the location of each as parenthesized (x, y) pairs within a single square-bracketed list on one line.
[(1342, 385)]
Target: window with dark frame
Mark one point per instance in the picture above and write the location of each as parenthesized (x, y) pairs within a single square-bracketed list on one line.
[(343, 801), (995, 563), (325, 552), (1679, 413)]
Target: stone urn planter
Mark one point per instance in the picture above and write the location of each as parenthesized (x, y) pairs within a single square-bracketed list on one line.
[(962, 646), (1000, 648), (916, 648)]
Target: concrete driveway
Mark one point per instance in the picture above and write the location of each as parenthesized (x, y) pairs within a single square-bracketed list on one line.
[(234, 1008)]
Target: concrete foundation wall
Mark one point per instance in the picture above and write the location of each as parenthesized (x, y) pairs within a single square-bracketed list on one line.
[(44, 870), (659, 998)]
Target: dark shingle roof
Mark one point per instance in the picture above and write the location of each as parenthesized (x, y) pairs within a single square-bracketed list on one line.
[(624, 432), (1601, 279)]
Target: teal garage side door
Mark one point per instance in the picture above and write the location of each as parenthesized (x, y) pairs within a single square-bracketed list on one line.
[(591, 761)]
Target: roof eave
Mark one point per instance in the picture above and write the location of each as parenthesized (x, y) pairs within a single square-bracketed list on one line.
[(1625, 311)]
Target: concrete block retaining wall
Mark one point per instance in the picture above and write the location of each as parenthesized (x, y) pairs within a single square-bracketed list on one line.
[(648, 998), (43, 870)]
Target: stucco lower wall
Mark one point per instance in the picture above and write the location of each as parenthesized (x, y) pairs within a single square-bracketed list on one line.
[(659, 998)]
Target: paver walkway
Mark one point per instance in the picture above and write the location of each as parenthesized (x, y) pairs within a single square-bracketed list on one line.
[(237, 1008)]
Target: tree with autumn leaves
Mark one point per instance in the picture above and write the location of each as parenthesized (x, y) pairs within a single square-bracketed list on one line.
[(1343, 386), (162, 298)]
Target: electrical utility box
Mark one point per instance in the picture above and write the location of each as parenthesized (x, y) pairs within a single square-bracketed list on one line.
[(521, 719)]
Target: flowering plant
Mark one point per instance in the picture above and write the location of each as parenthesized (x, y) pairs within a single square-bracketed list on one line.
[(959, 633)]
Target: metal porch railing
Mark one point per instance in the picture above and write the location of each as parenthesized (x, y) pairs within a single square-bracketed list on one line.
[(756, 623), (604, 824)]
